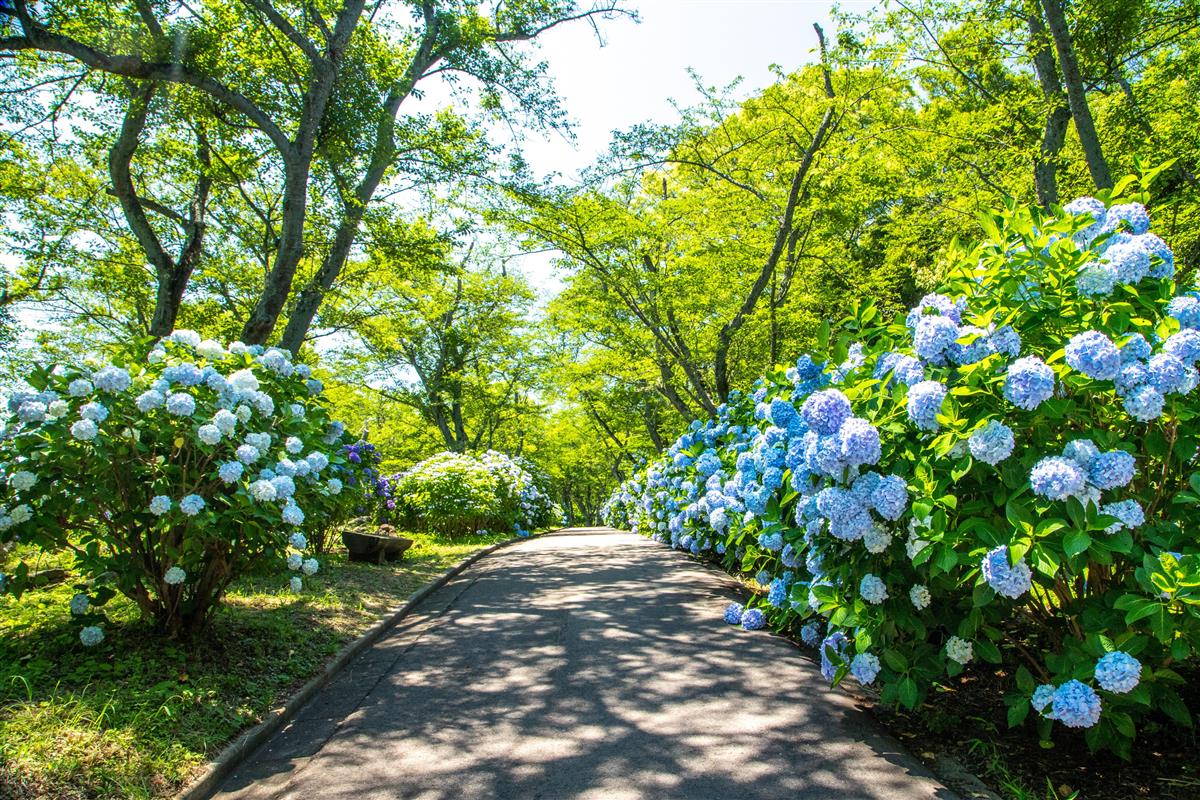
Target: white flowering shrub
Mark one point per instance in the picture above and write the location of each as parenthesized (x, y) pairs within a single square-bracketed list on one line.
[(167, 476), (458, 493), (1005, 475)]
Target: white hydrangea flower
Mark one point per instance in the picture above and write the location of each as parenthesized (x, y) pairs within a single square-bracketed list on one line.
[(181, 404), (238, 348), (244, 380), (84, 430), (225, 420), (262, 490), (22, 480), (244, 413), (21, 513), (920, 596), (184, 336), (209, 434), (80, 387), (960, 650), (32, 411), (175, 575), (57, 409), (156, 356), (160, 504), (211, 349)]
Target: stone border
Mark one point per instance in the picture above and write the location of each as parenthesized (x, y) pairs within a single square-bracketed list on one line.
[(237, 751)]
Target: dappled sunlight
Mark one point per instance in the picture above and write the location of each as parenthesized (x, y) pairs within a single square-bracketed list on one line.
[(586, 664)]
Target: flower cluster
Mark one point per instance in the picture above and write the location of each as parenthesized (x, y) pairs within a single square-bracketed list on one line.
[(913, 494)]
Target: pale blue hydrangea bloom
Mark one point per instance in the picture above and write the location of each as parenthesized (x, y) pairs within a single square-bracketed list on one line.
[(771, 541), (1184, 345), (230, 471), (778, 593), (292, 514), (113, 380), (1129, 514), (1093, 354), (96, 412), (192, 505), (810, 634), (933, 336), (1145, 403), (1006, 341), (296, 583), (890, 497), (837, 643), (209, 434), (872, 589), (1133, 214), (1057, 478), (149, 399), (262, 490), (865, 668), (181, 404), (858, 442), (80, 604), (992, 443), (160, 504), (1169, 375), (295, 561), (763, 577), (925, 403), (1118, 672), (174, 576), (84, 430), (1075, 705), (91, 636), (80, 387), (1029, 382), (298, 541), (920, 597), (1009, 580), (1042, 696), (311, 566), (753, 619), (1186, 309), (1136, 348)]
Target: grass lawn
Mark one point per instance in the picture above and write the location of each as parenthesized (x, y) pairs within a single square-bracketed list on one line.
[(134, 716)]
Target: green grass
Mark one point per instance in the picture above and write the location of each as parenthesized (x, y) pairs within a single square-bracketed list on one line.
[(133, 717)]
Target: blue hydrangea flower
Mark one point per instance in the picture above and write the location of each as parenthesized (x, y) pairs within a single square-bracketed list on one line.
[(1186, 309), (1057, 478), (810, 634), (1132, 375), (992, 443), (933, 337), (825, 411), (753, 619), (1042, 696), (1075, 705), (1111, 470), (1162, 260), (872, 589), (858, 442), (836, 644), (91, 636), (783, 414), (865, 667), (1029, 382), (1145, 403), (1129, 514), (763, 577), (733, 613), (1168, 374), (1184, 345), (771, 541), (1008, 580), (1006, 341), (1096, 279), (1118, 672), (1130, 261), (890, 497), (788, 556), (1136, 348), (708, 463), (925, 403), (1133, 214), (778, 592), (192, 505), (1093, 354)]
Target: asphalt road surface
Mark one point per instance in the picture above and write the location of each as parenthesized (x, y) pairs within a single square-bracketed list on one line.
[(590, 663)]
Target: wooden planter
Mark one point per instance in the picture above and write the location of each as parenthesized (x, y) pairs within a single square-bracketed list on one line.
[(375, 549)]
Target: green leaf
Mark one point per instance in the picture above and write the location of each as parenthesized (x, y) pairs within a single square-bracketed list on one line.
[(1076, 542), (908, 693), (1017, 713)]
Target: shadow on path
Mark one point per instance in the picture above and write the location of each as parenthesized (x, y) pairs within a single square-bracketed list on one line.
[(589, 664)]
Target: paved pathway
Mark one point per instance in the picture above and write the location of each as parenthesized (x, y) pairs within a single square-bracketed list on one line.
[(586, 664)]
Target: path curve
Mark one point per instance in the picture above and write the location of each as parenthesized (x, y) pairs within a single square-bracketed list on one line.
[(590, 663)]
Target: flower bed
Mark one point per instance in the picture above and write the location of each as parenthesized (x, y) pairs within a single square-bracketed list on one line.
[(1004, 475)]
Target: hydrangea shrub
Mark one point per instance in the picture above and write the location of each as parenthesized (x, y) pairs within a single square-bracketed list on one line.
[(169, 475), (1004, 475), (458, 493)]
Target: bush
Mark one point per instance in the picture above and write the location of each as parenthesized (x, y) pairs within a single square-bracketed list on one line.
[(1005, 475), (456, 493), (366, 494), (168, 476)]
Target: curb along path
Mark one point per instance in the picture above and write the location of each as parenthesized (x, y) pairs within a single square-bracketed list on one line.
[(589, 663)]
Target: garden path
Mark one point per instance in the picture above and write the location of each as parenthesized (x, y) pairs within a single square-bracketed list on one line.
[(586, 664)]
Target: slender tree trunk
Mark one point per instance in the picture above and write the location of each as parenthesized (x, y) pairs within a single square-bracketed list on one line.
[(1085, 126), (1058, 117)]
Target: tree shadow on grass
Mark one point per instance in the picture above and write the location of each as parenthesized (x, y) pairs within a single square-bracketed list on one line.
[(581, 665)]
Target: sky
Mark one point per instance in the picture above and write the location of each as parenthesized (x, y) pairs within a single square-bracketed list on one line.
[(633, 74)]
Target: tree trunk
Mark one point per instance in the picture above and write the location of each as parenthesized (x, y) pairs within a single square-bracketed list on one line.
[(1085, 126), (1045, 169)]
